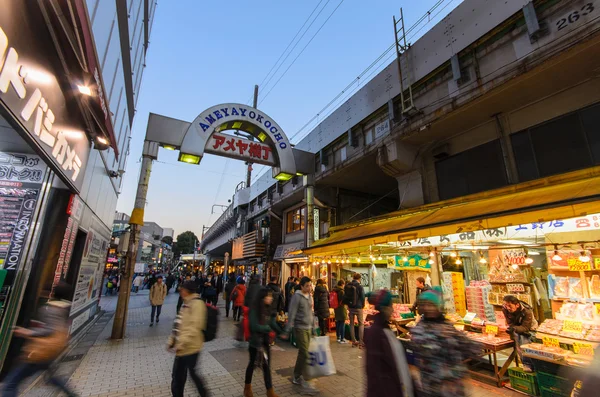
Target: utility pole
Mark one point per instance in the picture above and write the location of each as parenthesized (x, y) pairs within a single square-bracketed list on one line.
[(249, 164), (149, 154)]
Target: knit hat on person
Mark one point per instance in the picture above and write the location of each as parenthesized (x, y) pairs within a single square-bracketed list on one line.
[(380, 299), (430, 297)]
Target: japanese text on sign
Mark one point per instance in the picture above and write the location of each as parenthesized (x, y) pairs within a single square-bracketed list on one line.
[(572, 326), (36, 109), (240, 148), (515, 288), (577, 265), (550, 342), (491, 329), (585, 349)]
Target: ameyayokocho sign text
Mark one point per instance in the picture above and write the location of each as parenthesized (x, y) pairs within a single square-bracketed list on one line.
[(30, 90)]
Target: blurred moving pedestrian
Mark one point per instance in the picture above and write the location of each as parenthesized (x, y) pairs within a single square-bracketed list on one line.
[(440, 350), (137, 283), (341, 313), (354, 295), (321, 297), (387, 368), (109, 286), (262, 322), (158, 293), (219, 285), (170, 281), (188, 277), (301, 321), (228, 290), (277, 305), (187, 339), (44, 343), (252, 291), (238, 295)]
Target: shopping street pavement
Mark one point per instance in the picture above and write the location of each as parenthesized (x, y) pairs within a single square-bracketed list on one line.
[(139, 365)]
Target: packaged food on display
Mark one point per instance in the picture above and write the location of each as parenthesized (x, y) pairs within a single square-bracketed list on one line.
[(579, 360), (551, 326), (569, 310), (594, 284), (586, 311), (593, 334), (559, 286), (549, 352), (575, 288), (484, 338)]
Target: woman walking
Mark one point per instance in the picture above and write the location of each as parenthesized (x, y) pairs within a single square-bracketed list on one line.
[(322, 305), (341, 313), (261, 324), (237, 296)]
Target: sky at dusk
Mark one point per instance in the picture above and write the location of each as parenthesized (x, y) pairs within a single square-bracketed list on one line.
[(203, 53)]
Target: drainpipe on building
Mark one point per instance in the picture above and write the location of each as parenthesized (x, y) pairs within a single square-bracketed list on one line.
[(137, 221), (309, 192)]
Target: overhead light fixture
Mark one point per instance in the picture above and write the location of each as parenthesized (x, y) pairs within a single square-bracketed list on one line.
[(169, 147), (380, 258), (329, 262), (358, 259), (84, 89), (453, 254), (102, 140), (528, 260), (458, 261), (405, 258), (372, 257), (282, 176), (189, 158), (431, 253), (556, 257), (482, 259), (431, 261), (517, 242), (515, 266)]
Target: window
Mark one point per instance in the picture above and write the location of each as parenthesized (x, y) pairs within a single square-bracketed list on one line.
[(472, 171), (567, 143), (368, 137), (343, 153), (295, 220)]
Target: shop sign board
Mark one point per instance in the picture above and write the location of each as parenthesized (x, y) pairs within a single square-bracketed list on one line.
[(317, 225), (92, 267), (491, 329), (414, 262), (577, 265), (518, 232), (550, 342), (582, 348), (512, 288), (240, 148), (30, 90), (572, 326), (21, 177)]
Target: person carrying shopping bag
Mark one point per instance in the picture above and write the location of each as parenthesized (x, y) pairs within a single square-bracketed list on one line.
[(262, 323), (301, 321)]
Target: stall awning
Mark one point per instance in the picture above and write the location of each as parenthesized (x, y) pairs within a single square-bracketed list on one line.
[(289, 251), (559, 197)]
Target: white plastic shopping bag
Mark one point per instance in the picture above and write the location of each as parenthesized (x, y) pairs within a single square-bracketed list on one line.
[(320, 360)]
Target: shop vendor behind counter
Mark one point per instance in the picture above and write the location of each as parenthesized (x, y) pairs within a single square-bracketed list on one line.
[(520, 321)]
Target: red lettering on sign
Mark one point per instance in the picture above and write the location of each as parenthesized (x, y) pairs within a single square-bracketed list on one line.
[(255, 150), (219, 141), (267, 151), (584, 222), (230, 145), (241, 146)]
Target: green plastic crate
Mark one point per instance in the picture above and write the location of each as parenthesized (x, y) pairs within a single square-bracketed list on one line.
[(556, 384), (523, 381), (551, 393)]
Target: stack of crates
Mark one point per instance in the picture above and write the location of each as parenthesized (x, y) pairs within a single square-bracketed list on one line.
[(554, 380), (449, 306), (522, 381), (478, 301)]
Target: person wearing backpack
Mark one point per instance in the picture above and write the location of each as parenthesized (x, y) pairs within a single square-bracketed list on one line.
[(187, 340), (158, 293), (354, 296), (322, 305), (336, 299)]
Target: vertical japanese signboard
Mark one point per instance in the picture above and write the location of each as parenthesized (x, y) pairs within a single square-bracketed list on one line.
[(21, 177)]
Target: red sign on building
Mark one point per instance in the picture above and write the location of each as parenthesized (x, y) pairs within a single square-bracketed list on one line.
[(240, 148)]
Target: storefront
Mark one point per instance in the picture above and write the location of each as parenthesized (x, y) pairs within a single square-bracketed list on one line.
[(538, 241), (48, 232)]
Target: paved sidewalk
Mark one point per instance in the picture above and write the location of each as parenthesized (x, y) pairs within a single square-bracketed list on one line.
[(140, 366)]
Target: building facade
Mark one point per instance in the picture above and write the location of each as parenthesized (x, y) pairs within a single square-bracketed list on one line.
[(511, 105), (66, 113)]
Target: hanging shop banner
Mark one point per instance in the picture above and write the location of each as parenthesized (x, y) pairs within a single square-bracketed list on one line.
[(518, 232), (413, 262), (21, 177), (92, 267), (31, 91)]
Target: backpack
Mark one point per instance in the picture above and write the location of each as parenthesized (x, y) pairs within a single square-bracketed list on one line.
[(350, 295), (333, 300), (212, 322)]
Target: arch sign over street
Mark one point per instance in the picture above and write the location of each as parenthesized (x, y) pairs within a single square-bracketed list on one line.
[(207, 134)]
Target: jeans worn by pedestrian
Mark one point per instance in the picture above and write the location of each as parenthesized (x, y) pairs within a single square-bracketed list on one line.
[(26, 370), (181, 367), (358, 314), (155, 310), (340, 330), (266, 365)]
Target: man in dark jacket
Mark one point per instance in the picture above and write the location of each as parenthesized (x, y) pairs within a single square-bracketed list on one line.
[(170, 282), (321, 297), (253, 289), (355, 310), (520, 321), (288, 292), (277, 304), (421, 287), (228, 290)]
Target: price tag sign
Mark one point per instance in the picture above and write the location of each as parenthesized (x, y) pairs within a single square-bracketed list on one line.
[(515, 288), (596, 263), (584, 349), (597, 308), (491, 329), (469, 317), (576, 265), (550, 342), (572, 326)]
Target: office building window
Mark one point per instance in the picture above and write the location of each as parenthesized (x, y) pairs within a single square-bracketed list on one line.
[(472, 171), (295, 220), (567, 143)]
